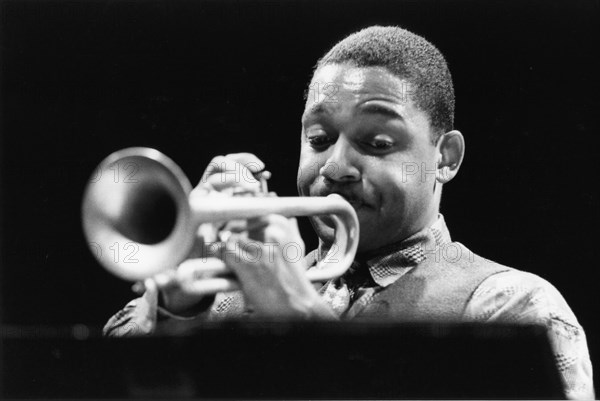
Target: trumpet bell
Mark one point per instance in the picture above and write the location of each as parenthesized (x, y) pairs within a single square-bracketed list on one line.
[(136, 214)]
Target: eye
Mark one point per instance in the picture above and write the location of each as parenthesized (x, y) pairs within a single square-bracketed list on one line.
[(380, 143), (319, 139)]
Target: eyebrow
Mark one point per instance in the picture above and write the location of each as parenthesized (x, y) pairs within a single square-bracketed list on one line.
[(373, 108), (316, 109), (369, 108)]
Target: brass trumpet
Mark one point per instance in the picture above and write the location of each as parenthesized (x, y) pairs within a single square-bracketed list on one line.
[(141, 218)]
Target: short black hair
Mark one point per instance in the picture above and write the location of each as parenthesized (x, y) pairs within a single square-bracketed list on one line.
[(409, 57)]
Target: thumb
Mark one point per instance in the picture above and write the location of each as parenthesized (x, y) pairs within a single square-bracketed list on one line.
[(151, 295), (248, 160)]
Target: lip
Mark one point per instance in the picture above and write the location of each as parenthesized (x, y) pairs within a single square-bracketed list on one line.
[(353, 200), (355, 204)]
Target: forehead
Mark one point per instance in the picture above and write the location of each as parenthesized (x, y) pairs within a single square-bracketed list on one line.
[(338, 85)]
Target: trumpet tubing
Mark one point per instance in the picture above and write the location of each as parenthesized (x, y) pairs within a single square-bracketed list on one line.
[(138, 201)]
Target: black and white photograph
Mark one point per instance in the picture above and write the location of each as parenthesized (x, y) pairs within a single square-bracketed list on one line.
[(299, 199)]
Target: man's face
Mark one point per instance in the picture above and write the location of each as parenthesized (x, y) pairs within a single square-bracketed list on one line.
[(363, 138)]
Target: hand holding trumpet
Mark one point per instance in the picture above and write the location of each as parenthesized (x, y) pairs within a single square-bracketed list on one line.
[(175, 287), (273, 285)]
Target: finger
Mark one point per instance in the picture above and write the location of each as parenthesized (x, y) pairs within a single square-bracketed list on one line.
[(257, 223), (138, 287), (196, 269), (250, 161), (241, 247), (243, 165), (285, 232), (205, 276), (205, 233), (255, 228), (241, 250), (279, 229), (266, 220), (273, 228), (151, 294), (262, 268), (165, 279), (158, 282), (294, 226), (213, 249), (241, 179), (236, 226), (243, 257)]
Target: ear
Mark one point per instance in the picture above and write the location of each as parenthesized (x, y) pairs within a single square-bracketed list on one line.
[(451, 150)]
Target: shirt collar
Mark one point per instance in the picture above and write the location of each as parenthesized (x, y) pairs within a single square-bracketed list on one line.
[(395, 260), (398, 259)]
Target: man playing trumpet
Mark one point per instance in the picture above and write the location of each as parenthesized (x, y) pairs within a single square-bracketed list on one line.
[(377, 129)]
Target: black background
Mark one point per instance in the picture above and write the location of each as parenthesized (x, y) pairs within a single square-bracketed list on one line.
[(200, 78)]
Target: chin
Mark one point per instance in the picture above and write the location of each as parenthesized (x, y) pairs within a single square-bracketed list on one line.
[(367, 247)]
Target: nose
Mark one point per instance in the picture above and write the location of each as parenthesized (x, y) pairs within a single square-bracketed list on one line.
[(341, 165)]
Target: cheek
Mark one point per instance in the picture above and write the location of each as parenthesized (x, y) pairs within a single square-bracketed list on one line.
[(400, 195), (413, 176), (385, 180), (411, 196), (393, 193), (308, 172)]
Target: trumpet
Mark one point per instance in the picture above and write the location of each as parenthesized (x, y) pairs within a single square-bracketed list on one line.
[(139, 202)]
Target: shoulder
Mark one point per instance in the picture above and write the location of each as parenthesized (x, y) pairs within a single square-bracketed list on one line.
[(519, 296), (511, 295)]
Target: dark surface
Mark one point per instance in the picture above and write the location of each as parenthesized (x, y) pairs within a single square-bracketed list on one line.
[(196, 79), (290, 361)]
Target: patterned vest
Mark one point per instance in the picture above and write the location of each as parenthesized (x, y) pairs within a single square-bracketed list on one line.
[(438, 288)]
